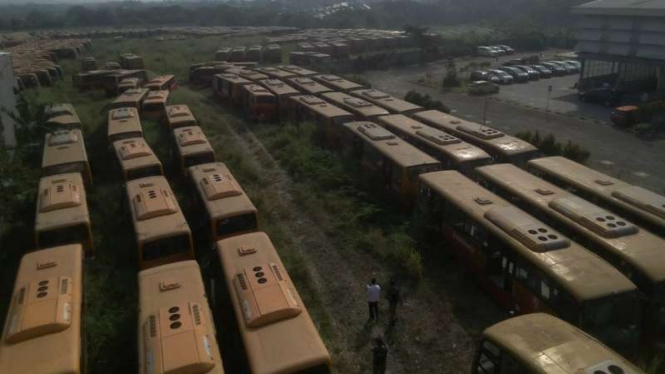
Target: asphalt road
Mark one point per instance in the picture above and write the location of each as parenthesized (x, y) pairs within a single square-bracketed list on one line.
[(613, 151)]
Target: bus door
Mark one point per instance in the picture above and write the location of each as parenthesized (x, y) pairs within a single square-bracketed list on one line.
[(488, 360)]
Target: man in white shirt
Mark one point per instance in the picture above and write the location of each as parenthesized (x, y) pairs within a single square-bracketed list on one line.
[(373, 295)]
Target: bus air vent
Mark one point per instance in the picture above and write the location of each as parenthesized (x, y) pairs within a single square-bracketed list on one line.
[(356, 103), (191, 136), (154, 95), (40, 309), (312, 100), (304, 81), (608, 367), (455, 122), (152, 321), (376, 95), (217, 186), (544, 191), (482, 201), (437, 136), (526, 229), (59, 196), (268, 298), (123, 113), (257, 89), (594, 218), (62, 137), (375, 132), (180, 345), (480, 131), (131, 149), (603, 182), (153, 203), (331, 78), (178, 111), (643, 199)]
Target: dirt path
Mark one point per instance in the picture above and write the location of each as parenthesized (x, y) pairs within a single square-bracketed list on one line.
[(439, 322)]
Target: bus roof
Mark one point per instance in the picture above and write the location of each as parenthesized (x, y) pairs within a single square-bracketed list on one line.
[(355, 105), (321, 106), (134, 153), (385, 101), (131, 96), (64, 147), (451, 146), (251, 75), (495, 139), (636, 246), (179, 113), (257, 90), (122, 121), (583, 274), (337, 83), (309, 86), (279, 335), (61, 202), (647, 204), (45, 340), (155, 210), (548, 345), (233, 78), (156, 97), (278, 87), (222, 195), (191, 140), (275, 73), (175, 292), (400, 152), (298, 70), (158, 81), (62, 114)]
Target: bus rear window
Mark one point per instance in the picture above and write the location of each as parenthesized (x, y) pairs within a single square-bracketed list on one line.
[(74, 167), (166, 247), (201, 158), (65, 235), (321, 369), (232, 225), (149, 171)]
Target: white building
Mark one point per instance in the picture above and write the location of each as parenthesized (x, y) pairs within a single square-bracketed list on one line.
[(7, 100)]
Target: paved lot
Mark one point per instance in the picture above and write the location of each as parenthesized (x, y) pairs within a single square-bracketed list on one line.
[(613, 151)]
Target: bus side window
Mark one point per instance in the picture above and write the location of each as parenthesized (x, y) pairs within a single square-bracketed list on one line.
[(489, 359), (511, 366)]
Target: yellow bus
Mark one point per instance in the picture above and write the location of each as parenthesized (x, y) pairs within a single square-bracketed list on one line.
[(162, 233), (44, 330), (527, 266), (192, 147), (62, 116), (539, 343), (228, 209), (128, 83), (644, 207), (297, 70), (132, 98), (176, 331), (337, 83), (363, 110), (328, 116), (265, 309), (308, 86), (136, 159), (259, 103), (161, 83), (502, 147), (275, 73), (124, 123), (62, 215), (229, 86), (282, 91), (452, 152), (179, 116), (392, 164), (387, 102), (251, 75), (637, 253), (154, 105), (64, 152)]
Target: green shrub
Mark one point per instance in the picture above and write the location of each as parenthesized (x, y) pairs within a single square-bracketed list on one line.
[(358, 79), (426, 101), (551, 147)]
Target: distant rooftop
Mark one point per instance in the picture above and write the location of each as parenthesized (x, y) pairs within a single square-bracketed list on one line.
[(649, 8)]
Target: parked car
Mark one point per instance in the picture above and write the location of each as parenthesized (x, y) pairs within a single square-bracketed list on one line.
[(509, 51), (556, 69), (483, 88), (517, 74), (504, 78), (486, 51), (482, 75), (574, 63), (624, 116), (544, 72), (499, 51), (513, 62), (601, 95), (533, 74), (569, 69)]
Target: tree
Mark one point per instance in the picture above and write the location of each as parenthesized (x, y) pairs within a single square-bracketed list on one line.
[(450, 79)]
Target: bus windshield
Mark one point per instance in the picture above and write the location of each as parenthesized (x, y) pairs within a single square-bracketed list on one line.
[(201, 158), (73, 167), (232, 225), (166, 247), (65, 235), (614, 320), (143, 172)]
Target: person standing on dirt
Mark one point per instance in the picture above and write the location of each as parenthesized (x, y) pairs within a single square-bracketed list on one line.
[(394, 298), (379, 356), (373, 295)]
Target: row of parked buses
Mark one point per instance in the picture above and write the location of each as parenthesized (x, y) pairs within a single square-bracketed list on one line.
[(608, 282)]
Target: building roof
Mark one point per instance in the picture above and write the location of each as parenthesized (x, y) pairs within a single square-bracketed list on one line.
[(622, 8)]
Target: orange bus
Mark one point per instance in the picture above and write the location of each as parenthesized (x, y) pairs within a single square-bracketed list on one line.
[(62, 116), (154, 105), (337, 83), (64, 152), (44, 329), (124, 123), (259, 103), (229, 87), (179, 116), (297, 70), (250, 75), (132, 98), (136, 159), (308, 86), (363, 110), (191, 147), (387, 102), (275, 73), (161, 83), (326, 115), (282, 91)]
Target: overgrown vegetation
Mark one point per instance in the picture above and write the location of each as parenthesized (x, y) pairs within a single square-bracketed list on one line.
[(549, 146), (426, 101), (358, 79), (450, 79)]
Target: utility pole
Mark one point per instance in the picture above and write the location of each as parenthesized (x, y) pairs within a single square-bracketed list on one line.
[(547, 107), (485, 110)]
